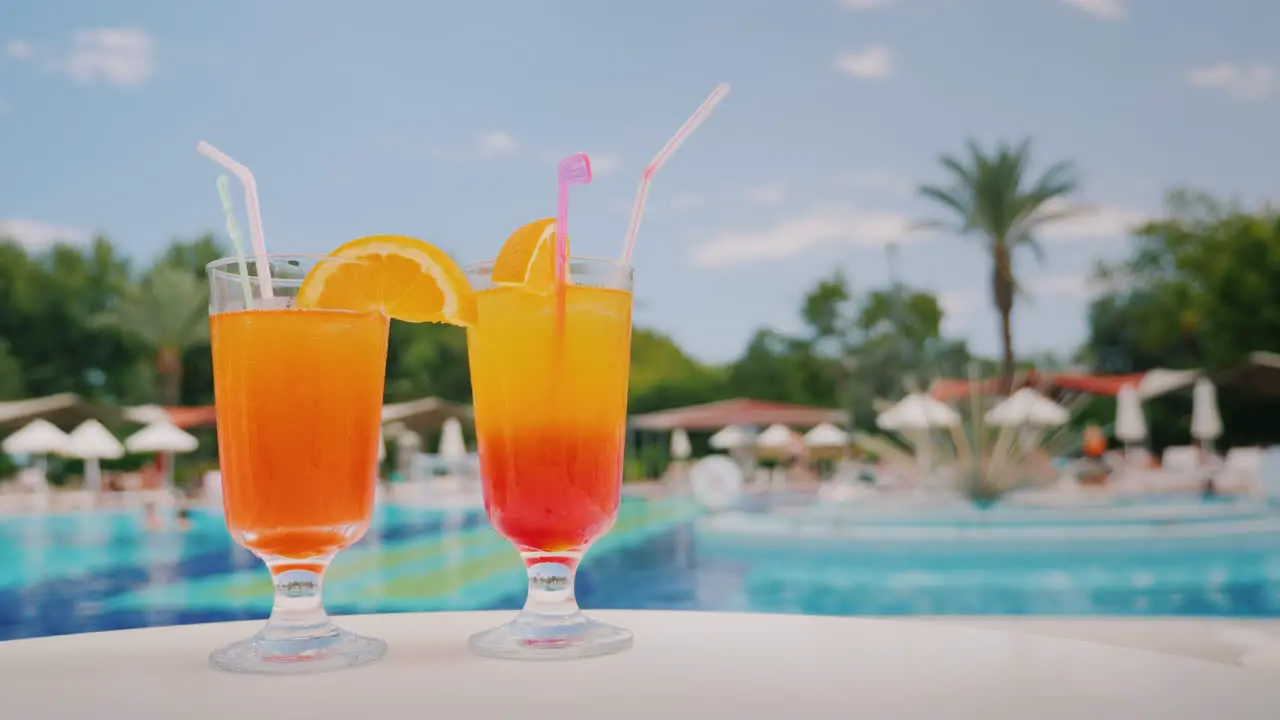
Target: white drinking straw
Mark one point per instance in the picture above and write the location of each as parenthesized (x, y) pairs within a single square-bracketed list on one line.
[(237, 240), (251, 209), (661, 158)]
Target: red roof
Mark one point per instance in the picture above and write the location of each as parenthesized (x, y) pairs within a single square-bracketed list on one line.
[(1096, 384), (192, 415), (948, 389), (739, 411)]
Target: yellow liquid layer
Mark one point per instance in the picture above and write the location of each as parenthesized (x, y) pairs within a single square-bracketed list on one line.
[(525, 373), (550, 410)]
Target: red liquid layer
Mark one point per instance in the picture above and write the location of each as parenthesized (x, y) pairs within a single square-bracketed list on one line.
[(552, 491)]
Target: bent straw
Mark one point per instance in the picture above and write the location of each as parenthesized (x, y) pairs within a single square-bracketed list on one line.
[(251, 209), (237, 240), (661, 158), (573, 170)]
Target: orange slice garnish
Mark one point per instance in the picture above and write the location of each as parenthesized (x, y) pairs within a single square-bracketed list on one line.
[(402, 277), (528, 256)]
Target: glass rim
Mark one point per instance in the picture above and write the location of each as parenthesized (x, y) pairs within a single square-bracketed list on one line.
[(589, 259), (230, 265)]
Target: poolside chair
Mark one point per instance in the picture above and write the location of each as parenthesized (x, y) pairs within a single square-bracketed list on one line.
[(1181, 470), (1269, 471), (1239, 472)]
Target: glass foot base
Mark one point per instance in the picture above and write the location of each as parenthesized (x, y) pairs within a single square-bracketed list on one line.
[(539, 638), (259, 655)]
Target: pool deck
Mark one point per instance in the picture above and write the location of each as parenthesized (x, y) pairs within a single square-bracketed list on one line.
[(1229, 641)]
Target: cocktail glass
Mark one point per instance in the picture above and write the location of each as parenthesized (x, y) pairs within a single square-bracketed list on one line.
[(550, 395), (299, 408)]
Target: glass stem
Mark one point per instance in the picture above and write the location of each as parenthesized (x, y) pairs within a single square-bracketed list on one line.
[(551, 596), (297, 612)]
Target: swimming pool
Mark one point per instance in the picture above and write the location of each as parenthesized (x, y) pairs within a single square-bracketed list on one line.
[(85, 572)]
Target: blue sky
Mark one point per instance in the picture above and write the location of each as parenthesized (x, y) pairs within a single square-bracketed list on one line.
[(443, 121)]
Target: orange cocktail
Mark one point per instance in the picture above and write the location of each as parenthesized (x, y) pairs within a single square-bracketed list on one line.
[(551, 412), (298, 386), (549, 367), (299, 404)]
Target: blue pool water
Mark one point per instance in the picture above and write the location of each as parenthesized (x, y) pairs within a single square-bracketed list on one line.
[(85, 572)]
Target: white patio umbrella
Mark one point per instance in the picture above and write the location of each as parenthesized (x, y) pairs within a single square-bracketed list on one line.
[(163, 438), (776, 438), (453, 447), (681, 448), (733, 437), (1160, 381), (1131, 426), (826, 435), (92, 442), (914, 416), (1206, 420), (38, 437), (918, 411), (408, 443), (1027, 407)]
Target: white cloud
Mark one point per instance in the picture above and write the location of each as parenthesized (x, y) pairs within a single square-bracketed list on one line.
[(1070, 286), (768, 194), (604, 163), (36, 234), (687, 201), (829, 225), (496, 143), (18, 49), (116, 56), (1102, 9), (1242, 82), (865, 4), (1095, 222), (873, 63)]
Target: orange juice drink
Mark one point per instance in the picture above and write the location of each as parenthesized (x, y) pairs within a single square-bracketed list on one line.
[(299, 406), (299, 358), (550, 409)]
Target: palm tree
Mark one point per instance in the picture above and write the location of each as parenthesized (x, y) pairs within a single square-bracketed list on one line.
[(993, 197), (167, 310)]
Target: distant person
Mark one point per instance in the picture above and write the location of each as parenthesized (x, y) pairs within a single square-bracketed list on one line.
[(152, 479), (1093, 447), (1095, 443)]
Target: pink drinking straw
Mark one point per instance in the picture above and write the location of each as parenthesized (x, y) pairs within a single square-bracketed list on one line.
[(661, 158), (251, 209), (573, 170)]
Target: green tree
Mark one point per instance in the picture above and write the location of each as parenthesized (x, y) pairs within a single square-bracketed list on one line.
[(782, 368), (1200, 289), (193, 254), (11, 385), (167, 312), (427, 359), (993, 197), (49, 298), (826, 309)]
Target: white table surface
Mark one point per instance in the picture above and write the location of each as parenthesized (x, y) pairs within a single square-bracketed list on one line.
[(684, 665)]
